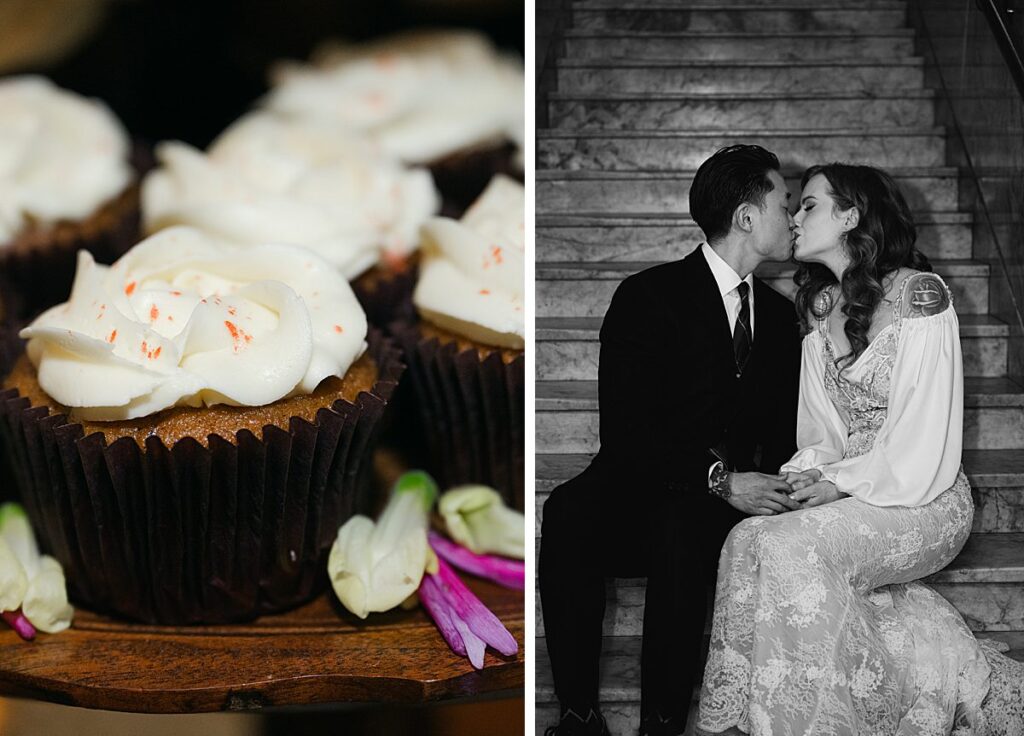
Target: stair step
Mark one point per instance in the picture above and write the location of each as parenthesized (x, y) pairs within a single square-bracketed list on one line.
[(567, 349), (998, 496), (695, 17), (651, 192), (797, 149), (623, 112), (585, 289), (985, 583), (854, 76), (620, 681), (567, 418), (767, 47), (664, 236), (581, 396)]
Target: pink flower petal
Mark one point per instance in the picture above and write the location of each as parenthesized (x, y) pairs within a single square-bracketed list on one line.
[(503, 571), (437, 606), (474, 644), (20, 624), (468, 607)]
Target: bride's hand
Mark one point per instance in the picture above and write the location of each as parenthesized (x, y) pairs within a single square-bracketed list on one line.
[(816, 494), (799, 481)]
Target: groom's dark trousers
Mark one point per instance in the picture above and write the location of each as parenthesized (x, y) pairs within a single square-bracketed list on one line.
[(671, 403)]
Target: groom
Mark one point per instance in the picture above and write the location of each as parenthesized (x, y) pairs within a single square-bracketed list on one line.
[(698, 390)]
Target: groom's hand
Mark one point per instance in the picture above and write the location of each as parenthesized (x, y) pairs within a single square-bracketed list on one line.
[(760, 494)]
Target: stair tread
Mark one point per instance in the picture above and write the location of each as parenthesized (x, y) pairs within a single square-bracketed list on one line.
[(620, 666), (582, 395), (570, 63), (862, 5), (677, 219), (893, 94), (617, 270), (984, 468), (742, 35), (876, 132), (670, 174), (586, 329)]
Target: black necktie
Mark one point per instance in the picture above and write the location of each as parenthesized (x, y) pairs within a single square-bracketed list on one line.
[(741, 340)]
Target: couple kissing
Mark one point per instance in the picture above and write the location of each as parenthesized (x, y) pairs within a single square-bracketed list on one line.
[(803, 461)]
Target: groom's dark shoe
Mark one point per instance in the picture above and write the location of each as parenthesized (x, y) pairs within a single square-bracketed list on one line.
[(655, 725), (573, 724)]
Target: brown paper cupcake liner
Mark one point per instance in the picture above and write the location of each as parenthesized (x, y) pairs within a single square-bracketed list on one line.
[(461, 177), (386, 294), (194, 533), (38, 268), (471, 410)]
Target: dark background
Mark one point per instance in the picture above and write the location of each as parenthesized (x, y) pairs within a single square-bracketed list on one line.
[(185, 69)]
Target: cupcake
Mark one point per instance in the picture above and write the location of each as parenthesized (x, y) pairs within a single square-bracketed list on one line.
[(66, 183), (192, 426), (465, 354), (302, 183), (445, 99)]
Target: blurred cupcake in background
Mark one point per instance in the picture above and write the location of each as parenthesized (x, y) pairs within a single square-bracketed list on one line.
[(446, 99), (301, 182), (466, 352), (214, 409), (66, 183)]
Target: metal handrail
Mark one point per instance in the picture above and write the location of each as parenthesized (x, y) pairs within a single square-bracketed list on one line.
[(1007, 46), (1017, 300)]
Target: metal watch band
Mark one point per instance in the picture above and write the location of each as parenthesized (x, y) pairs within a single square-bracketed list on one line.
[(719, 482)]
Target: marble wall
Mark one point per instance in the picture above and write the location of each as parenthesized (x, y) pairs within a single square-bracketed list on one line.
[(984, 109)]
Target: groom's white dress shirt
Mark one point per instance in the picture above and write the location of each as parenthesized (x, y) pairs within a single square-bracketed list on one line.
[(728, 280)]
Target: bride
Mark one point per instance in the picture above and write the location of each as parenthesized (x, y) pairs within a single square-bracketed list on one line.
[(819, 625)]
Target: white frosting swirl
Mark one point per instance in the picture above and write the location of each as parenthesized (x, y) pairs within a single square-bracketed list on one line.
[(62, 156), (266, 179), (185, 320), (421, 96), (471, 278)]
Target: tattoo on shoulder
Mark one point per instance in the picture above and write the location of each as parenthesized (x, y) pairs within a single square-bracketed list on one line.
[(925, 296)]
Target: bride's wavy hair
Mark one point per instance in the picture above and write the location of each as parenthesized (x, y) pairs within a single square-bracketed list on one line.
[(883, 241)]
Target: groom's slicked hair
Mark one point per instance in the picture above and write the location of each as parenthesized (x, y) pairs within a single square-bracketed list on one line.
[(734, 175)]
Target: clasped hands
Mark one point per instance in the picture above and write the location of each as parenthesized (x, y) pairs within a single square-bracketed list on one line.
[(764, 495)]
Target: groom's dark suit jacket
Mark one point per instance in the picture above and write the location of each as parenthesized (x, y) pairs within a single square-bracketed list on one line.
[(670, 397)]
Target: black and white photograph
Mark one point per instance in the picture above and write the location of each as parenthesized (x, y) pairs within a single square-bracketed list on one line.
[(779, 367)]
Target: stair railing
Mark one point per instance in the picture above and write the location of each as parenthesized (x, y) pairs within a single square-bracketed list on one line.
[(973, 51)]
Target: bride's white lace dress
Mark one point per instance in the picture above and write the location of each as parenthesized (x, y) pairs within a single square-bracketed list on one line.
[(819, 625)]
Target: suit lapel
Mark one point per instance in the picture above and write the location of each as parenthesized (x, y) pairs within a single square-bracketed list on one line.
[(707, 301)]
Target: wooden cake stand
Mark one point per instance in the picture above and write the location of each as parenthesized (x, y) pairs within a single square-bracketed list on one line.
[(318, 653)]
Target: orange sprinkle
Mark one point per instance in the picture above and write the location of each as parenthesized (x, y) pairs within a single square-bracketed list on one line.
[(337, 328), (156, 353), (238, 335), (395, 261), (496, 253), (153, 313), (170, 318), (112, 337), (144, 347), (485, 292), (129, 289), (232, 311), (175, 293)]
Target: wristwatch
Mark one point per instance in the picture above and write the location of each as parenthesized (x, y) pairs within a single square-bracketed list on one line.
[(718, 481)]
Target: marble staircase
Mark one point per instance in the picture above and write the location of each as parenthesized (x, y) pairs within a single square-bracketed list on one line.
[(646, 90)]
